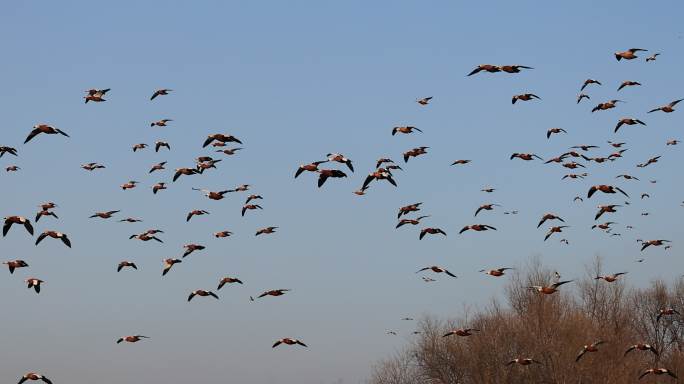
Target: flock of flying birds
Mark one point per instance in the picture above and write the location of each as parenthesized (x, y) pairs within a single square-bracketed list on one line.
[(384, 171)]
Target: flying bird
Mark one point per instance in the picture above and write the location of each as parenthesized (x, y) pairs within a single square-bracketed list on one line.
[(160, 92), (202, 293), (628, 54), (131, 339), (54, 235), (431, 231), (46, 129), (436, 269), (524, 97), (666, 108), (288, 341), (95, 95), (10, 220)]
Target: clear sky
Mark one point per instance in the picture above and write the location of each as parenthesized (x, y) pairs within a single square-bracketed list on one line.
[(296, 80)]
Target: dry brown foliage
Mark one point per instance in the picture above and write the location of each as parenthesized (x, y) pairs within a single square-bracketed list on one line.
[(551, 329)]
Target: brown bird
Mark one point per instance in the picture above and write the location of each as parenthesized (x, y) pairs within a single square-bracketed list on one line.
[(10, 220), (274, 292), (436, 269), (463, 332), (196, 212), (605, 209), (95, 95), (628, 121), (650, 161), (582, 96), (607, 105), (424, 101), (190, 248), (139, 146), (228, 280), (145, 237), (10, 150), (525, 156), (553, 230), (431, 231), (222, 234), (415, 221), (253, 197), (404, 129), (513, 68), (184, 171), (610, 278), (54, 235), (405, 210), (212, 195), (589, 81), (575, 176), (266, 230), (250, 207), (160, 92), (495, 272), (641, 347), (160, 123), (34, 283), (229, 151), (324, 174), (461, 162), (129, 185), (131, 339), (655, 243), (547, 290), (124, 264), (44, 128), (33, 377), (616, 145), (486, 207), (523, 361), (158, 187), (339, 158), (159, 144), (628, 83), (12, 168), (202, 293), (477, 228), (220, 138), (14, 264), (549, 216), (658, 372), (666, 108), (554, 131), (627, 177), (628, 54), (92, 166), (382, 161), (415, 152), (605, 189), (524, 97), (485, 67), (604, 226), (379, 174), (672, 142), (593, 347), (311, 167), (104, 215), (168, 263), (288, 341)]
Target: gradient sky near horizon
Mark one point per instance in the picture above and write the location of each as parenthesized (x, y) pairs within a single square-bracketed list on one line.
[(296, 80)]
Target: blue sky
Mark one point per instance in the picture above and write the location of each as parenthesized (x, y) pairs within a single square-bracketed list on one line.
[(296, 80)]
